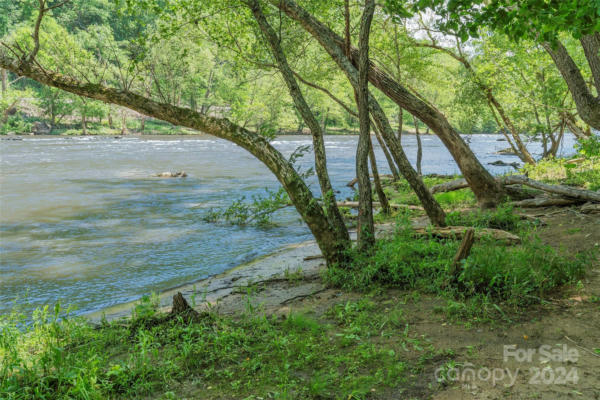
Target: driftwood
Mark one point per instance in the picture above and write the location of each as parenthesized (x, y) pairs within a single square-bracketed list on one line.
[(463, 252), (544, 201), (449, 186), (354, 204), (569, 195), (556, 189), (355, 180), (458, 232)]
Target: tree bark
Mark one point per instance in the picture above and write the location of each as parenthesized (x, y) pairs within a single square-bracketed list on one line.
[(110, 118), (458, 232), (4, 79), (574, 128), (354, 204), (300, 195), (83, 124), (385, 205), (432, 208), (123, 123), (587, 105), (591, 48), (556, 189), (400, 123), (329, 200), (484, 186), (386, 153), (463, 252), (544, 201), (366, 227), (419, 146)]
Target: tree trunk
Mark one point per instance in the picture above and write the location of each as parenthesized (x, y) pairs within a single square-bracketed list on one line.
[(4, 77), (110, 119), (83, 124), (333, 213), (591, 49), (432, 208), (574, 128), (419, 146), (366, 228), (383, 200), (587, 105), (123, 123), (142, 124), (324, 121), (484, 186), (556, 189), (523, 153), (386, 153), (464, 250), (400, 123)]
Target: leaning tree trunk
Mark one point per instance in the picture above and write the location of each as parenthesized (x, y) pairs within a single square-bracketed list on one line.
[(400, 123), (383, 200), (432, 208), (300, 195), (366, 228), (419, 146), (587, 105), (329, 200), (386, 153), (591, 49), (488, 192)]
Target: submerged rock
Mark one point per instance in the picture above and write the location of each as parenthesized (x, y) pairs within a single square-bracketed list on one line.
[(179, 174), (501, 163), (507, 152)]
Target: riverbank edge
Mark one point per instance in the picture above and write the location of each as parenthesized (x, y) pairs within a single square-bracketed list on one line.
[(225, 290)]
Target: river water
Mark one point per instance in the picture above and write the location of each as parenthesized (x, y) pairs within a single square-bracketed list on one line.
[(83, 221)]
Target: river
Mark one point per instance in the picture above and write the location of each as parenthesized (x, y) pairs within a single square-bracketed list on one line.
[(83, 221)]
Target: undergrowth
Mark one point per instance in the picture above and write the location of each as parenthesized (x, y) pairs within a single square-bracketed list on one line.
[(511, 276), (296, 356)]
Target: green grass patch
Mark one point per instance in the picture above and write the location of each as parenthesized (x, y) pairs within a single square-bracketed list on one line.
[(400, 192), (516, 276), (339, 355)]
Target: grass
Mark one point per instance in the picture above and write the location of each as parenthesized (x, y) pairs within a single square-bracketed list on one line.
[(296, 356), (496, 274)]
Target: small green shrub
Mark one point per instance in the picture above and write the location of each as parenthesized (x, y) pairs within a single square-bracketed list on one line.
[(589, 147)]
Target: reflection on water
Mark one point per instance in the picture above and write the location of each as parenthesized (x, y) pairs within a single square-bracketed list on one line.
[(84, 221)]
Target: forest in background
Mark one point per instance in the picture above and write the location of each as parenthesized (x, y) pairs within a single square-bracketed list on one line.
[(217, 69)]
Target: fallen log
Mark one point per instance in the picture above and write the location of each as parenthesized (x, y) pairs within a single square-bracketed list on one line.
[(354, 204), (544, 201), (590, 208), (355, 180), (449, 186), (458, 233), (556, 189)]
